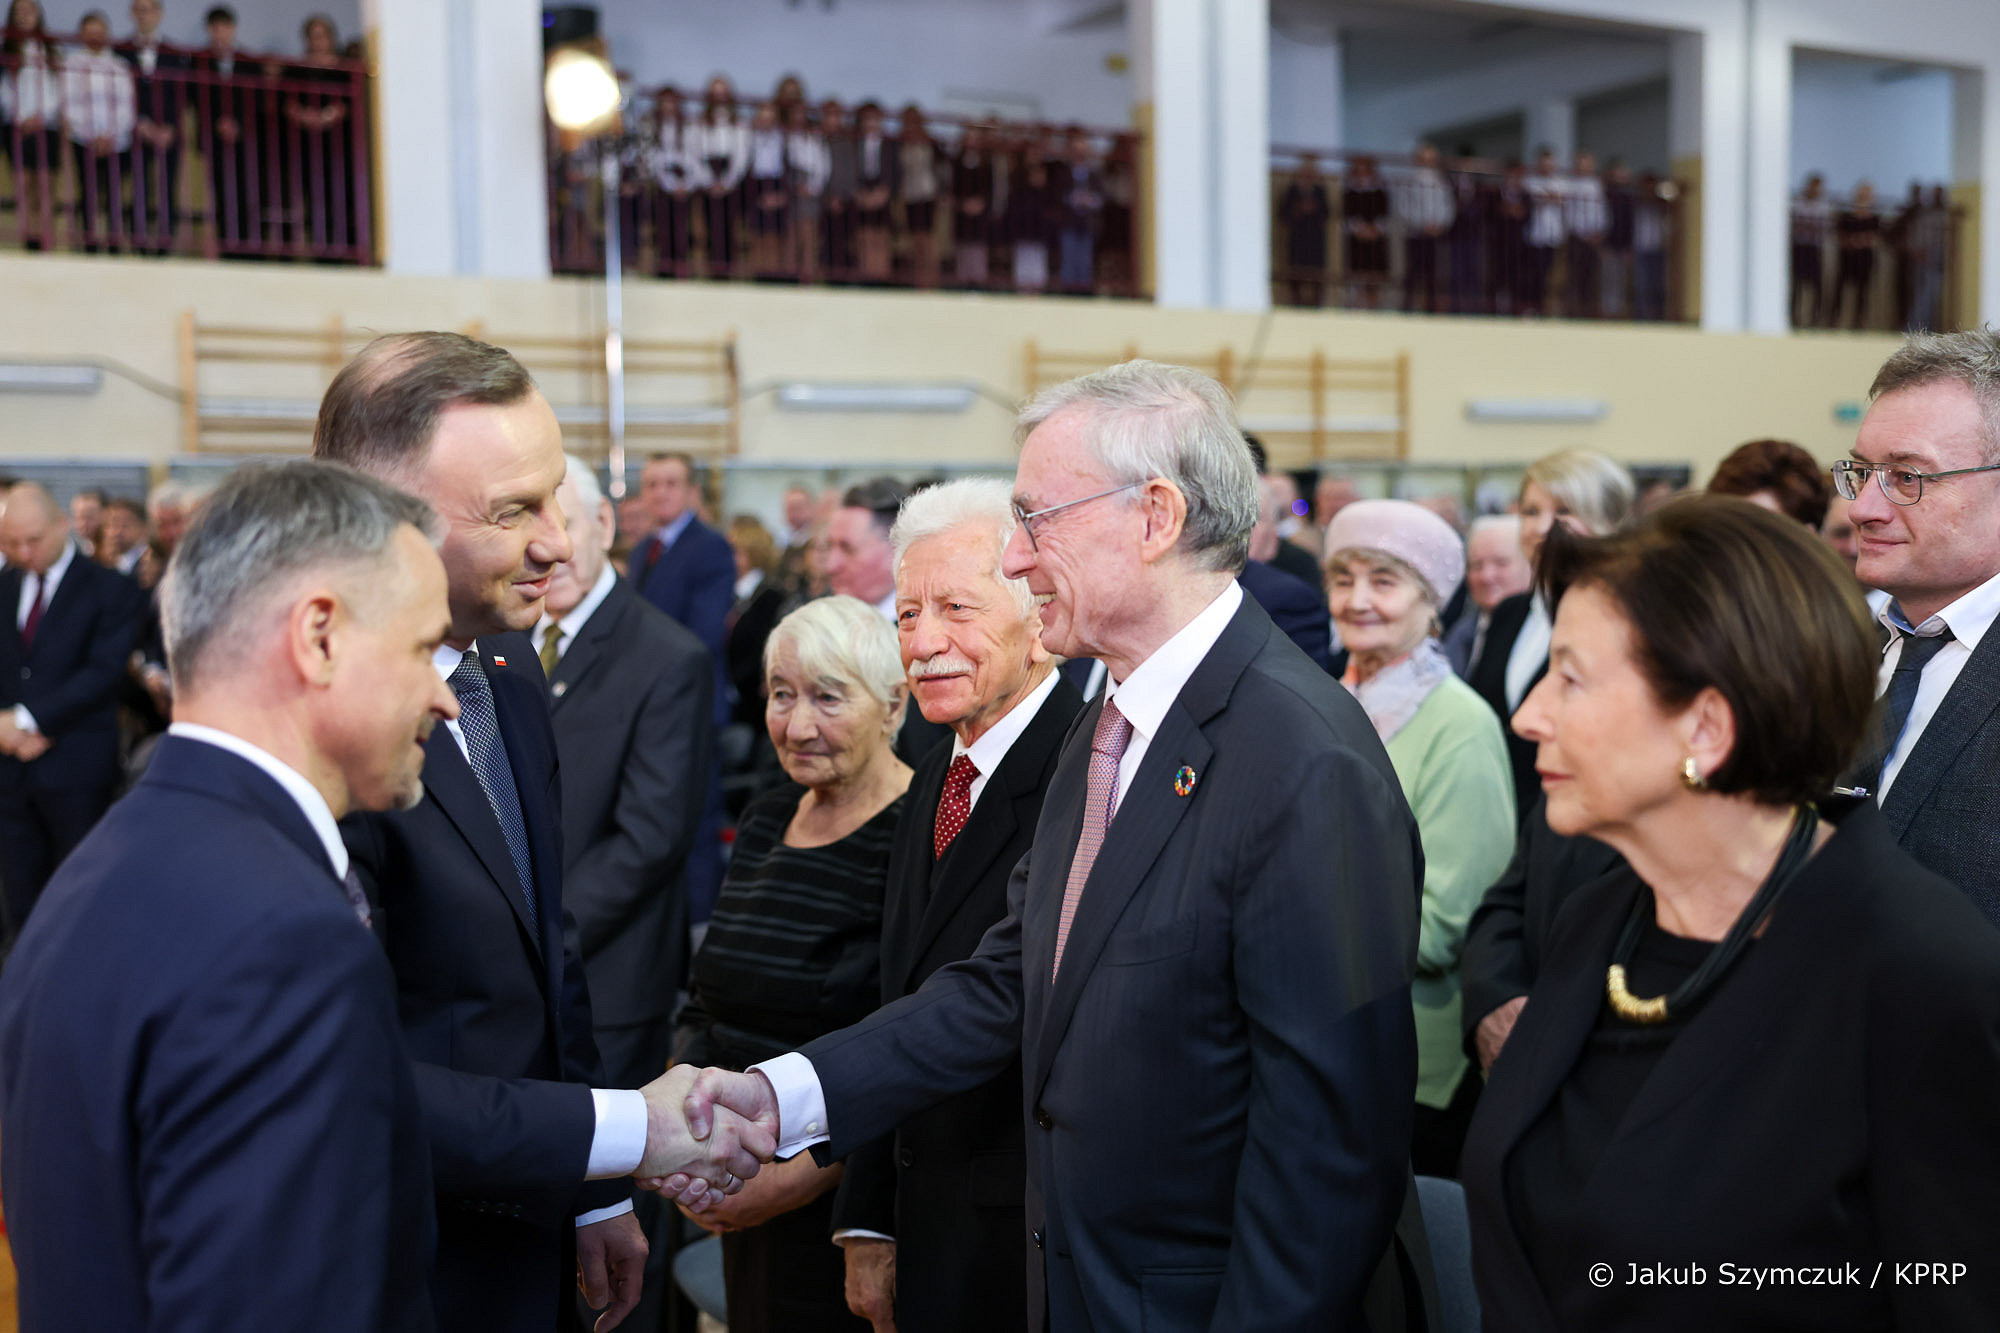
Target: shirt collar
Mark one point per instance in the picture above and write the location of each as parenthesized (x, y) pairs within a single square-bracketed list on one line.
[(1155, 683), (313, 805), (752, 580), (1969, 617), (447, 658), (669, 533), (987, 752), (580, 614), (56, 571)]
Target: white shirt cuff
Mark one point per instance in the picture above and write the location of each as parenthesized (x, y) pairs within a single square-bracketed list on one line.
[(845, 1234), (801, 1104), (619, 1144), (595, 1216), (25, 720)]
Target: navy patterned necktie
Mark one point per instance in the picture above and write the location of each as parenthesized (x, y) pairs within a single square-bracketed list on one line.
[(1901, 696), (481, 728)]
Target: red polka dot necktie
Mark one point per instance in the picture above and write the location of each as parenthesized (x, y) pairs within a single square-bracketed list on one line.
[(956, 803), (1107, 747)]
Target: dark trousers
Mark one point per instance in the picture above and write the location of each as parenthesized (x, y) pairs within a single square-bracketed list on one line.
[(1420, 272), (1808, 270), (634, 1055), (236, 191), (1585, 279), (1857, 270), (787, 1276), (38, 828), (156, 177), (1438, 1134), (100, 190), (1649, 281), (1541, 262)]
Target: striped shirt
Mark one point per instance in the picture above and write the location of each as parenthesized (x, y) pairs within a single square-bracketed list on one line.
[(794, 948)]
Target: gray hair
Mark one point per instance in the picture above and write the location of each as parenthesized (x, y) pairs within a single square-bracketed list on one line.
[(953, 504), (584, 477), (1596, 489), (1494, 522), (1970, 357), (258, 533), (844, 640), (382, 409), (1151, 420)]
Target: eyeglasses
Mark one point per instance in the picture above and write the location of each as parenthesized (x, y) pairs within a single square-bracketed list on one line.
[(1027, 520), (1902, 485)]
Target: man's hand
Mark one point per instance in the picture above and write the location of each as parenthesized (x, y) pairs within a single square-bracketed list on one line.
[(724, 1148), (750, 1095), (871, 1281), (32, 746), (779, 1189), (611, 1267), (1493, 1030)]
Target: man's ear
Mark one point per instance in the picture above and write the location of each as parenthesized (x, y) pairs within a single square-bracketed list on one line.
[(311, 632), (1165, 512)]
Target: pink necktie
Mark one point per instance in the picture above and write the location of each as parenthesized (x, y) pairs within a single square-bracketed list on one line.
[(955, 805), (1107, 747)]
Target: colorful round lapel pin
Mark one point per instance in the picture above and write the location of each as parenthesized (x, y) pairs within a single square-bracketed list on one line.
[(1184, 781)]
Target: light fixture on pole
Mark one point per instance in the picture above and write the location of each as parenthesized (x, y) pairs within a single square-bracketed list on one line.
[(584, 100)]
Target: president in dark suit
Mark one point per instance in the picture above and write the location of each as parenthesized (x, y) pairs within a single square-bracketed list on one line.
[(66, 627), (1934, 546), (1206, 964), (469, 884), (210, 1120), (931, 1217)]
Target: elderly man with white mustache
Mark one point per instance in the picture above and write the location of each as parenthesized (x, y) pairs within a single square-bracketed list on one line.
[(923, 1250)]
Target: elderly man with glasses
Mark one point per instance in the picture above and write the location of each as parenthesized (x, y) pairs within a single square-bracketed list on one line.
[(1205, 966), (1928, 534)]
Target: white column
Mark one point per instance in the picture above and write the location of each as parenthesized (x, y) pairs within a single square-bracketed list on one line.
[(459, 129), (1551, 125), (1684, 95), (1241, 36), (1172, 39), (1975, 161), (1766, 277)]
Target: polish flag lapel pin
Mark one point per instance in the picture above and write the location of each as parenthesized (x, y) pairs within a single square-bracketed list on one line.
[(499, 660)]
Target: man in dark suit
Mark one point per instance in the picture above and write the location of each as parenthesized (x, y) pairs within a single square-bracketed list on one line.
[(931, 1216), (860, 563), (210, 1119), (1933, 544), (66, 628), (226, 92), (632, 696), (469, 884), (1206, 964), (159, 77)]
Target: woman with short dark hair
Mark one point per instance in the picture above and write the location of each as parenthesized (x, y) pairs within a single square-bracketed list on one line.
[(1769, 1044), (1778, 475)]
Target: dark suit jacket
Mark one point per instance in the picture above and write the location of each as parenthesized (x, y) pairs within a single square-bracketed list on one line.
[(495, 1013), (1299, 609), (694, 581), (632, 707), (210, 1119), (750, 624), (70, 679), (1298, 562), (1488, 676), (159, 99), (1219, 1086), (949, 1185), (1941, 806), (1509, 933), (1831, 1103)]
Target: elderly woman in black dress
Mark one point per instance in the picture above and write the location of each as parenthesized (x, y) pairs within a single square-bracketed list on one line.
[(793, 949), (1759, 1066)]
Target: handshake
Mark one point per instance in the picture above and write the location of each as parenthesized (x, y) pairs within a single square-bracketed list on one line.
[(707, 1131)]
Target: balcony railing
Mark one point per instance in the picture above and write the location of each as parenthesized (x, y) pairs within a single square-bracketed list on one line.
[(970, 206), (227, 155), (1856, 264)]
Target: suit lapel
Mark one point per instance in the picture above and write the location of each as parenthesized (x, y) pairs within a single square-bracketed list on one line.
[(521, 697), (588, 650), (1963, 711), (451, 786), (906, 908)]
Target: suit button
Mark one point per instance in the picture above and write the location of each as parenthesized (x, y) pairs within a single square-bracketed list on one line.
[(906, 1158), (1038, 1238), (1044, 1119)]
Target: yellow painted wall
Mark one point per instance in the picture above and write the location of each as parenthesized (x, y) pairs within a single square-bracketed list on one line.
[(1674, 394)]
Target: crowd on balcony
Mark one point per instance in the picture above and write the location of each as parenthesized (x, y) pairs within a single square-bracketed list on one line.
[(1473, 237), (790, 190), (1837, 246), (141, 146)]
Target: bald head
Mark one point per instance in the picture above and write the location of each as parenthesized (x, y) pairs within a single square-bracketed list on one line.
[(33, 528)]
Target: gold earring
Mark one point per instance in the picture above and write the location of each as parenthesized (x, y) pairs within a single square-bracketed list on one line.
[(1691, 777)]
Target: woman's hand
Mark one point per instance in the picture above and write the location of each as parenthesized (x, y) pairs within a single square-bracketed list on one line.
[(777, 1189)]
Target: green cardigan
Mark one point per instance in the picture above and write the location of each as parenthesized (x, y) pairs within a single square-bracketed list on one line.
[(1452, 761)]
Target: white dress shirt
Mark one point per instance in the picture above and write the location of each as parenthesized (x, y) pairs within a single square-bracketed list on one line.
[(310, 802), (1530, 651), (1970, 617), (620, 1141), (1144, 699), (987, 752), (45, 589), (580, 614)]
